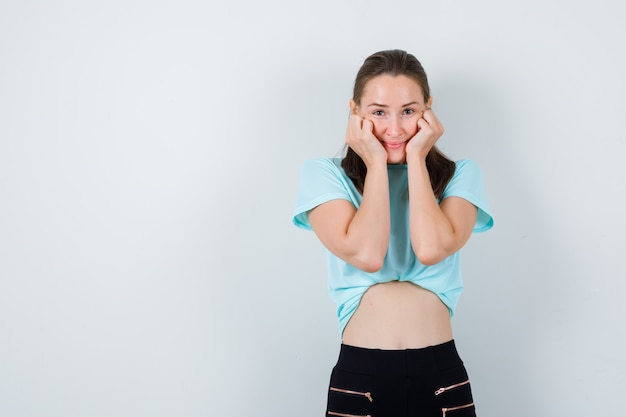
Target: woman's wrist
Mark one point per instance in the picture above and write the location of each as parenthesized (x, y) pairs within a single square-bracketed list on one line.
[(415, 158), (377, 165)]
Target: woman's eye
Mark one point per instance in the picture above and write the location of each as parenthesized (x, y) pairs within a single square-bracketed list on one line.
[(378, 113), (409, 111)]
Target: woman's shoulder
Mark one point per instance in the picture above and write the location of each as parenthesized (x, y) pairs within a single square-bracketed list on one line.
[(465, 167), (467, 183), (466, 162)]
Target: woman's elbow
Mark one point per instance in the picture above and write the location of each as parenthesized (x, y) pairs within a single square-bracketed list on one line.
[(372, 267), (430, 256), (369, 263), (429, 260)]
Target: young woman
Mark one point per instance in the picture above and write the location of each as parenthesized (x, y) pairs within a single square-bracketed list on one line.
[(393, 215)]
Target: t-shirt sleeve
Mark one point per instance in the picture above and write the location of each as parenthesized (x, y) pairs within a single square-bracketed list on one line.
[(320, 182), (467, 183)]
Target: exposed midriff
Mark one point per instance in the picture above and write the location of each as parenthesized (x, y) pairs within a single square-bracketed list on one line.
[(398, 315)]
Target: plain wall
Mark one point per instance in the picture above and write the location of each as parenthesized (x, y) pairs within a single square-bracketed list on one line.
[(149, 154)]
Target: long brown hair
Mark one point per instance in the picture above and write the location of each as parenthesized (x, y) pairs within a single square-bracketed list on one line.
[(396, 62)]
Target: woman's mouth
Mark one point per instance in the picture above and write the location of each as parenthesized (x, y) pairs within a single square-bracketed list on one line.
[(393, 145)]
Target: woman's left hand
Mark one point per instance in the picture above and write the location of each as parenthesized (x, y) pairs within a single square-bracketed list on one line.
[(429, 130)]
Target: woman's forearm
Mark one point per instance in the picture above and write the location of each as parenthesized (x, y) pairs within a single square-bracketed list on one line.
[(432, 234), (368, 232)]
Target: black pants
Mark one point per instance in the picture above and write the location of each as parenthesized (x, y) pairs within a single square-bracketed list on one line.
[(428, 382)]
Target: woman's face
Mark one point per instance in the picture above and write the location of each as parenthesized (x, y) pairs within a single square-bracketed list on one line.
[(394, 104)]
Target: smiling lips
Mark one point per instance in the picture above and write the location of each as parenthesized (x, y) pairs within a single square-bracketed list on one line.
[(393, 145)]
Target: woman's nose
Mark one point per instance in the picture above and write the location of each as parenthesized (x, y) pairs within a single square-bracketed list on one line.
[(394, 128)]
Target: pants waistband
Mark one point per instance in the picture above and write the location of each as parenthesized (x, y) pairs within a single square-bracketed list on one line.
[(393, 362)]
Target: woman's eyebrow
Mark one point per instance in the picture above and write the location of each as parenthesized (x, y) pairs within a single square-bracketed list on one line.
[(377, 105), (412, 103)]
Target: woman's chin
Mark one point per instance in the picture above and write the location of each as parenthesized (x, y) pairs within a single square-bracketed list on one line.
[(396, 157)]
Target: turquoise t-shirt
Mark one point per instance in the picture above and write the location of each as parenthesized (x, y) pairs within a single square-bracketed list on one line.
[(323, 179)]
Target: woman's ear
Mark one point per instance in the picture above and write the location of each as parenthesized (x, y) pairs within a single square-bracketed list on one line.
[(354, 108), (430, 102)]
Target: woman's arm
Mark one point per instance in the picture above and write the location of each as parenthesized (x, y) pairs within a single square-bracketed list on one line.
[(359, 237), (437, 230)]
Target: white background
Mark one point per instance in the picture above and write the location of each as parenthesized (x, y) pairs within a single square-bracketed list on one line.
[(149, 154)]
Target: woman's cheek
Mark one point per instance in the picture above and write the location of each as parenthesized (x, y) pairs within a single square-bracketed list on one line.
[(412, 129)]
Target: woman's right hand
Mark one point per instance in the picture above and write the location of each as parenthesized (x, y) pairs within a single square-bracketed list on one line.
[(360, 137)]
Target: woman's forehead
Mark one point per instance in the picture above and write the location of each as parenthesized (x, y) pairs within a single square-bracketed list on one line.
[(392, 90)]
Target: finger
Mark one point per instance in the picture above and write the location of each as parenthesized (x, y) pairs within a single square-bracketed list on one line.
[(354, 120), (431, 118), (423, 114), (422, 124), (354, 125), (368, 126)]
